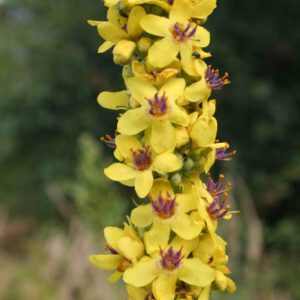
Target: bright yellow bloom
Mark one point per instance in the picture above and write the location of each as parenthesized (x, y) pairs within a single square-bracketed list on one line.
[(167, 212), (212, 251), (139, 163), (156, 113), (179, 35), (210, 80), (169, 264), (125, 249), (118, 27), (156, 76)]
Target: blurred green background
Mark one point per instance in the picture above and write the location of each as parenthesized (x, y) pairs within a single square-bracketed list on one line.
[(54, 198)]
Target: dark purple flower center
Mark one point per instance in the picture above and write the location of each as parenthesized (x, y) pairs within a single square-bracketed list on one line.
[(158, 105), (181, 33), (170, 259), (222, 155), (214, 80), (164, 207), (142, 158), (217, 208), (171, 2)]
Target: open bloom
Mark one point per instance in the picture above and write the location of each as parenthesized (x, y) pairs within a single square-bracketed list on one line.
[(179, 35), (156, 113), (119, 27), (166, 212), (169, 264), (212, 251), (139, 163), (210, 81), (125, 249)]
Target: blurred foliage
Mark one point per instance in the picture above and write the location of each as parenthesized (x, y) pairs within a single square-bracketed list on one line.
[(50, 75)]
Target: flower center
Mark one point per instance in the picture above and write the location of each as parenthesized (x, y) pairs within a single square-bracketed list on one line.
[(109, 141), (158, 105), (217, 208), (182, 33), (164, 206), (214, 80), (142, 158), (170, 259)]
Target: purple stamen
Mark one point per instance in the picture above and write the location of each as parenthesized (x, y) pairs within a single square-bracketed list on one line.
[(158, 105), (217, 208), (142, 158), (171, 260), (181, 34), (109, 141), (222, 155), (111, 249), (214, 80), (164, 207)]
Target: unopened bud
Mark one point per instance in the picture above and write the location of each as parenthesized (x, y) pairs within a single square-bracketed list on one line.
[(144, 44), (123, 51)]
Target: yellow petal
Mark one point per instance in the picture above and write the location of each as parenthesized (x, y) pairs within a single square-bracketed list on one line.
[(187, 245), (106, 261), (156, 25), (173, 88), (126, 143), (133, 25), (166, 163), (205, 293), (162, 52), (113, 100), (163, 136), (179, 116), (105, 46), (123, 51), (120, 172), (142, 216), (181, 11), (187, 59), (135, 293), (203, 8), (203, 37), (195, 272), (142, 273), (184, 227), (197, 91), (201, 133), (111, 32), (132, 249), (112, 235), (157, 236), (164, 286), (143, 183), (133, 121), (161, 185), (141, 89), (114, 277)]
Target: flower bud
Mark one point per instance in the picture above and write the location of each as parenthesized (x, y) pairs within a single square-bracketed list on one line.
[(221, 281), (182, 136), (123, 51), (144, 44)]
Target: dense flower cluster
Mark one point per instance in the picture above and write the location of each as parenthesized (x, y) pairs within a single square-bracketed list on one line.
[(165, 144)]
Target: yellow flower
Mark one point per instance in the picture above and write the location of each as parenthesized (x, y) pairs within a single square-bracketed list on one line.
[(156, 113), (139, 163), (125, 249), (167, 212), (210, 80), (155, 76), (118, 27), (179, 35), (135, 293), (169, 264), (212, 251)]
